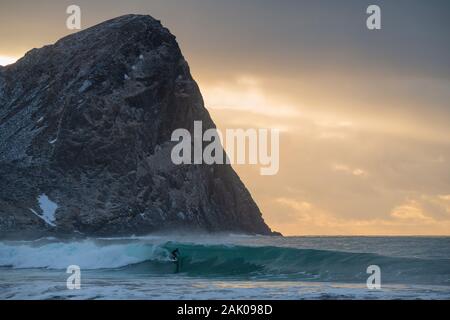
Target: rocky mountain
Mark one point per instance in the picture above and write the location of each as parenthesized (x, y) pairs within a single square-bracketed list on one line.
[(85, 129)]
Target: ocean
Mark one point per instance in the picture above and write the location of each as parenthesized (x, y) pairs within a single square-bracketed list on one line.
[(227, 267)]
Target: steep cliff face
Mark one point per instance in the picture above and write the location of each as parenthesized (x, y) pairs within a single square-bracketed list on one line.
[(85, 129)]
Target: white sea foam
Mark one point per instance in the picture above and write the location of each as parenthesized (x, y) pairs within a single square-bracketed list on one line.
[(86, 254), (48, 286)]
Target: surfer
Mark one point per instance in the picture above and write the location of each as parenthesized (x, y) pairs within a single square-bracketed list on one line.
[(175, 258)]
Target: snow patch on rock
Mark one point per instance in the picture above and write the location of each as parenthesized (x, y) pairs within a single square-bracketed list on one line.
[(48, 208)]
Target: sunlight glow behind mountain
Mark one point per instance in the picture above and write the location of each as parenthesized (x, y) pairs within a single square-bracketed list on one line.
[(5, 60)]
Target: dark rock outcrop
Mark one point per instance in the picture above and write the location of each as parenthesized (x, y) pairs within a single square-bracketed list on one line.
[(85, 128)]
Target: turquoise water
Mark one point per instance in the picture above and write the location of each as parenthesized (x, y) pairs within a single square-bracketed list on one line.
[(227, 267)]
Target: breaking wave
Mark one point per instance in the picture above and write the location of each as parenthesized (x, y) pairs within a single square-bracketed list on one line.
[(220, 260)]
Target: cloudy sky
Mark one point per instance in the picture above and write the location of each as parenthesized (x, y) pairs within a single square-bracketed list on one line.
[(364, 115)]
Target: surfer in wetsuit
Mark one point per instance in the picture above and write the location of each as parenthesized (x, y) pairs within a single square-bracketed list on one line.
[(174, 255)]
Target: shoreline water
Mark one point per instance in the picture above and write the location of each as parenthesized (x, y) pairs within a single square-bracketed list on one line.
[(227, 266)]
